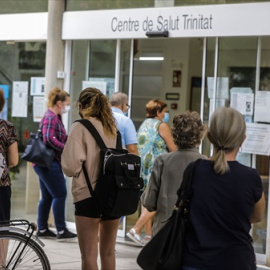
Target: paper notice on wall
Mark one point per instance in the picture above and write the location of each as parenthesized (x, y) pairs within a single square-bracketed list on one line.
[(37, 86), (219, 103), (38, 108), (257, 141), (242, 102), (262, 105), (222, 89), (19, 99), (102, 86)]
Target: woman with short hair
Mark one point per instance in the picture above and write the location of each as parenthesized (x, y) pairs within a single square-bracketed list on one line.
[(154, 139), (166, 178)]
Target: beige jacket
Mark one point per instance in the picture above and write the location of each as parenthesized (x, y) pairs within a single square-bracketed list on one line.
[(80, 147)]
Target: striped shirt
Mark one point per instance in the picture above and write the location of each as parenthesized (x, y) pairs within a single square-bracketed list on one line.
[(53, 132)]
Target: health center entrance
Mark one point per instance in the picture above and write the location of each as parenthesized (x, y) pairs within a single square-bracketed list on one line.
[(184, 72)]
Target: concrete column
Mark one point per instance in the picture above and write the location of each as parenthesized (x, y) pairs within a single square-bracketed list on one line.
[(55, 46), (54, 62)]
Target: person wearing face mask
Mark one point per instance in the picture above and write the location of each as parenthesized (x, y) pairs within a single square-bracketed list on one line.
[(119, 106), (154, 138), (52, 182)]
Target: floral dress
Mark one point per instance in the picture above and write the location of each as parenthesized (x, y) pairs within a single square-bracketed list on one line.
[(150, 145)]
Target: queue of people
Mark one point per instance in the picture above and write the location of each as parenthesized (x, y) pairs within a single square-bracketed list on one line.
[(227, 197)]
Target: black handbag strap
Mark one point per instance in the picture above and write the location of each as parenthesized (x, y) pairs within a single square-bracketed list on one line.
[(91, 128), (184, 192)]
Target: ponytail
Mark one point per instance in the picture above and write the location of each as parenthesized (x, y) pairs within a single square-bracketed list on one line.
[(93, 103), (226, 132)]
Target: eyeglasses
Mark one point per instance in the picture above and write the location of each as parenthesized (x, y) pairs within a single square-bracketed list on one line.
[(128, 106)]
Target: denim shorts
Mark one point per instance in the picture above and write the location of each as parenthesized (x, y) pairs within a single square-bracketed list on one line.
[(88, 208)]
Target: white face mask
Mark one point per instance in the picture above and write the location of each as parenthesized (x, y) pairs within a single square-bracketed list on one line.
[(66, 109)]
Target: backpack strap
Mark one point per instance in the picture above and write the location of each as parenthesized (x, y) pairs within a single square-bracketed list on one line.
[(118, 141), (102, 145), (91, 128), (93, 131)]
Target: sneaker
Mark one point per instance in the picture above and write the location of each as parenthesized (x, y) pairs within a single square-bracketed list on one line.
[(47, 234), (66, 236)]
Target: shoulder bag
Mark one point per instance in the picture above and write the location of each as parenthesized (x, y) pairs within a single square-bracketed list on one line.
[(165, 249), (37, 152)]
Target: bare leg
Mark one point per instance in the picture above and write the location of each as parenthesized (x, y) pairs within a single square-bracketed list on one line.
[(107, 239), (87, 230), (3, 252), (145, 217), (148, 227)]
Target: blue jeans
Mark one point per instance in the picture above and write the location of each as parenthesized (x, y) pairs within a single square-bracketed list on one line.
[(53, 193)]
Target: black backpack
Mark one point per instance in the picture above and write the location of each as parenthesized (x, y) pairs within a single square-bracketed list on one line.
[(117, 191)]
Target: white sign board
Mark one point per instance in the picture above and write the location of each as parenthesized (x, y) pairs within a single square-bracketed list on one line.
[(185, 21), (38, 108), (262, 105), (242, 102), (37, 86), (222, 89), (102, 86), (19, 99), (257, 141)]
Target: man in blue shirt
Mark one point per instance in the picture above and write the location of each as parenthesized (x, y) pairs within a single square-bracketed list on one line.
[(119, 103)]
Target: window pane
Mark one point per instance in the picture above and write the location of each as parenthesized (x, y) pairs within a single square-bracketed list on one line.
[(25, 6)]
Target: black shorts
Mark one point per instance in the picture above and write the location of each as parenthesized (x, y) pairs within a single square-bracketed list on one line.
[(88, 208), (5, 204)]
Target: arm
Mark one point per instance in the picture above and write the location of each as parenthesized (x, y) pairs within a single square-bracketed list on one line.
[(258, 210), (132, 148), (74, 154), (12, 154), (165, 133), (131, 137), (49, 130)]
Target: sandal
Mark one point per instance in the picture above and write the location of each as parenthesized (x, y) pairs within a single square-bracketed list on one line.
[(146, 239), (134, 237)]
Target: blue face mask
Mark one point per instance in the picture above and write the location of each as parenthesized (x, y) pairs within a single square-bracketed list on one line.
[(166, 117), (126, 113)]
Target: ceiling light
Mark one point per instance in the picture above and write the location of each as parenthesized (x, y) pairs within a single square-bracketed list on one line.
[(151, 58)]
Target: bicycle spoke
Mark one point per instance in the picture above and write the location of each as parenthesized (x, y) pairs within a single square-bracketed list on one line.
[(21, 254)]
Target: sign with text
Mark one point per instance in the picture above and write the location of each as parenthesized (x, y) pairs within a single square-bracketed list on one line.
[(187, 21), (257, 141)]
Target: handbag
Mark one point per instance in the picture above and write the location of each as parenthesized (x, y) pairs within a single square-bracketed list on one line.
[(165, 249), (37, 152)]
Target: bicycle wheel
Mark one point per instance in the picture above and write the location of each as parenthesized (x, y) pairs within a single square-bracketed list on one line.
[(21, 255)]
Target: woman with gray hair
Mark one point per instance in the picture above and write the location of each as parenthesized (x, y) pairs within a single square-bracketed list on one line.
[(226, 198), (166, 177)]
